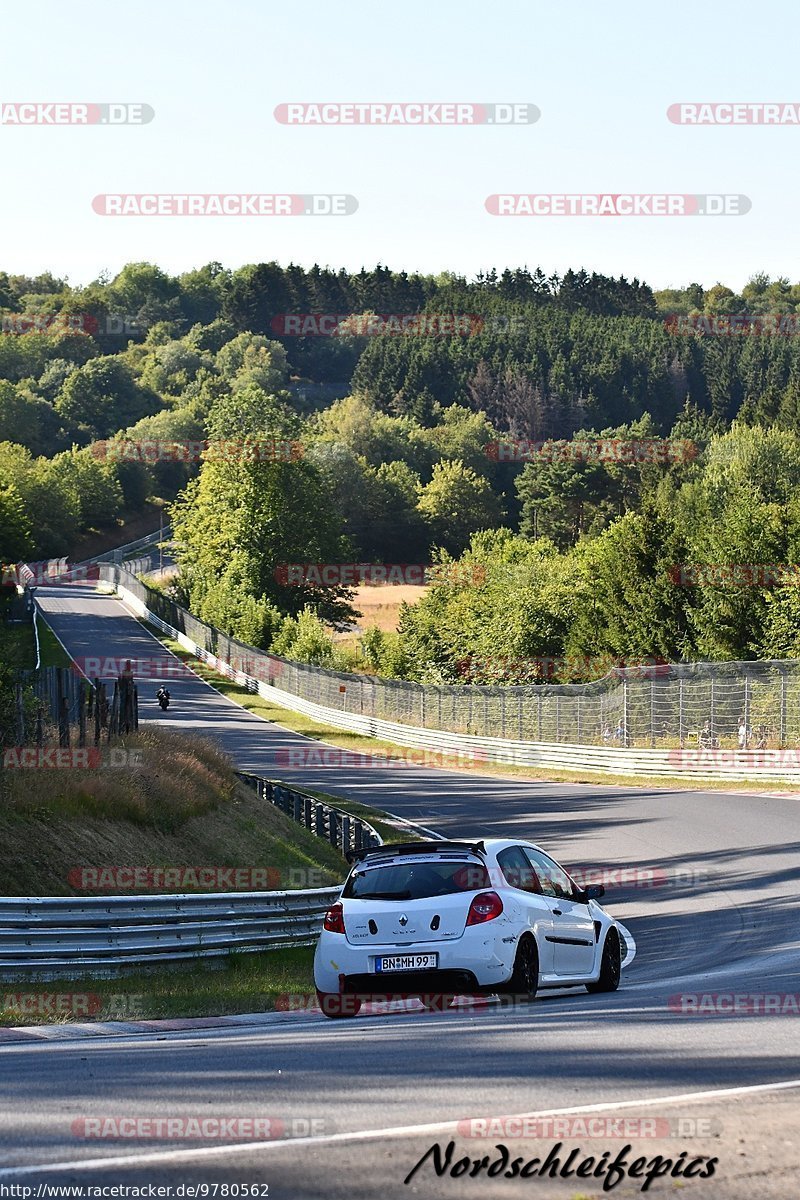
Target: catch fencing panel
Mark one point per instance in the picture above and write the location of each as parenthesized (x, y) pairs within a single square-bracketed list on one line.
[(662, 705)]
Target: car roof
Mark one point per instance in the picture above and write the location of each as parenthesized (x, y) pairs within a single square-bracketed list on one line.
[(482, 848)]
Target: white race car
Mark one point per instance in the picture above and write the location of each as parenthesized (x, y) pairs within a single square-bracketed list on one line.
[(439, 919)]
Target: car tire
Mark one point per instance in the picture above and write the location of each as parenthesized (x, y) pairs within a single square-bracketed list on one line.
[(524, 980), (337, 1005), (610, 965)]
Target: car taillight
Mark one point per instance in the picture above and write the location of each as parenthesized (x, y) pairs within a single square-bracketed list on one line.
[(334, 919), (485, 907)]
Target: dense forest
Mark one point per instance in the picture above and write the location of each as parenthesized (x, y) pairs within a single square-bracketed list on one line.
[(396, 391)]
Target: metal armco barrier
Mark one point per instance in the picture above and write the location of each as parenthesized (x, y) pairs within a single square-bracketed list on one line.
[(50, 936), (340, 828), (99, 935), (690, 762)]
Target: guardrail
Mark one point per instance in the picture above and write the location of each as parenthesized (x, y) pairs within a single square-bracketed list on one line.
[(99, 935), (42, 937), (120, 553), (684, 762), (342, 829)]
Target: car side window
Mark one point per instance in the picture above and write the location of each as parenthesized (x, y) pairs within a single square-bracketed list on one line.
[(555, 881), (517, 870)]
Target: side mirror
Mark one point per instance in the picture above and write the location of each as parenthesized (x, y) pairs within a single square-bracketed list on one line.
[(595, 891)]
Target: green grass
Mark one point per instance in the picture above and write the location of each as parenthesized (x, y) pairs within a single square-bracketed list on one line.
[(243, 983), (18, 648), (319, 731), (177, 804)]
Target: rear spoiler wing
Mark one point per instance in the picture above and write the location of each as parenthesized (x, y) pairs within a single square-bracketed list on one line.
[(393, 849)]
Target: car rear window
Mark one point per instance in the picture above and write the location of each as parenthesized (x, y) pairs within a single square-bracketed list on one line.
[(415, 880)]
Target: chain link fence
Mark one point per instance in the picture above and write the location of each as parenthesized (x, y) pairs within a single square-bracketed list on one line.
[(752, 705)]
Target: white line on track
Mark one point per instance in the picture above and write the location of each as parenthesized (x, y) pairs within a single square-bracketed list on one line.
[(370, 1135)]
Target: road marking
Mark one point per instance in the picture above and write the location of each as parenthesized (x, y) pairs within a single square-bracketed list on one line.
[(365, 1135)]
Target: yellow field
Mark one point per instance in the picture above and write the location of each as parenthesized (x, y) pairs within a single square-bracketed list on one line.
[(379, 603)]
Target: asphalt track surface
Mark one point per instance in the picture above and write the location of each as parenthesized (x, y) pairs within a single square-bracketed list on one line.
[(710, 894)]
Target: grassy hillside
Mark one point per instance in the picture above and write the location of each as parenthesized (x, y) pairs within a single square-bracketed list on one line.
[(177, 805)]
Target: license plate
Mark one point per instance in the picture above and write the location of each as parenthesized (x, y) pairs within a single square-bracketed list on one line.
[(406, 962)]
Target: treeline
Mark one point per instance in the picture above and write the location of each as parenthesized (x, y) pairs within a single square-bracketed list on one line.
[(402, 468), (705, 567), (606, 560)]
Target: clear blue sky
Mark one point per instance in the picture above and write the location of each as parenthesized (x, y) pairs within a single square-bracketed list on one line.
[(603, 76)]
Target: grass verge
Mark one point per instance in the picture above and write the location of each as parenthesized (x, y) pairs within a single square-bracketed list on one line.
[(18, 647), (242, 983), (171, 802)]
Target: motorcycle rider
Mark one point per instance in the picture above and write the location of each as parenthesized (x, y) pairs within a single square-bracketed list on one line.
[(162, 696)]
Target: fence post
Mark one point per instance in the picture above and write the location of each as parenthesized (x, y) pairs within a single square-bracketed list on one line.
[(113, 724), (680, 712), (81, 713), (319, 820), (625, 712), (297, 801), (20, 714), (711, 714), (783, 709), (652, 712), (307, 802), (333, 827), (539, 698), (578, 708), (558, 717), (747, 701), (63, 710), (502, 711), (345, 833)]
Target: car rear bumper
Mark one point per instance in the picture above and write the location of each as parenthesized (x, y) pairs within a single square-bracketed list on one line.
[(412, 983), (477, 961)]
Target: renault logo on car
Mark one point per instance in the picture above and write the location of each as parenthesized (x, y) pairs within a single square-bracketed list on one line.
[(404, 919)]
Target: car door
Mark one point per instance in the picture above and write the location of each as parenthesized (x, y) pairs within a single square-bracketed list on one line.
[(535, 906), (573, 934)]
